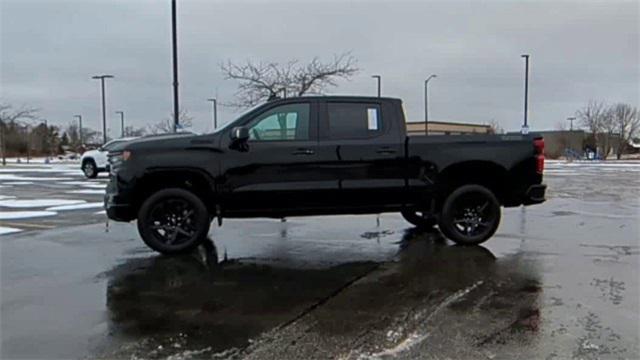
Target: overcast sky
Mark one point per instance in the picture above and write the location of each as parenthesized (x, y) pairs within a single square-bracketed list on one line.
[(579, 51)]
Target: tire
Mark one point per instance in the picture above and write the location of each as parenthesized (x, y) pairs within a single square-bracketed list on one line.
[(470, 215), (420, 219), (162, 226), (89, 169)]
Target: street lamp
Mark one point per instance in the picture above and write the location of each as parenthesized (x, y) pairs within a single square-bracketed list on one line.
[(426, 103), (79, 117), (174, 32), (379, 78), (104, 112), (121, 122), (214, 112), (525, 126), (571, 119)]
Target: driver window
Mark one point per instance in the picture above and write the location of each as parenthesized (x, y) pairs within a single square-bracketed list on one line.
[(283, 123)]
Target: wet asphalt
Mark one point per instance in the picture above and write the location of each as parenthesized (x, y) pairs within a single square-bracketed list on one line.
[(558, 280)]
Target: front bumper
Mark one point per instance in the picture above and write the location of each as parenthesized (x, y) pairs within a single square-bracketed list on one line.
[(535, 194), (117, 205)]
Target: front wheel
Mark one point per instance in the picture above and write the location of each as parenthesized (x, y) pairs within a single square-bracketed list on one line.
[(470, 215), (90, 169), (173, 221)]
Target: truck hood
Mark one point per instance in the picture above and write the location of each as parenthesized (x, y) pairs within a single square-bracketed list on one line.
[(166, 141)]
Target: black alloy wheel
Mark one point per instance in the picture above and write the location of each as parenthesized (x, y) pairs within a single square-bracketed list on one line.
[(470, 215), (173, 221)]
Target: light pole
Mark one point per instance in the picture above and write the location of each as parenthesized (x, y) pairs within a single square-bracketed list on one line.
[(79, 117), (174, 32), (525, 126), (121, 122), (379, 78), (214, 112), (104, 111), (571, 119), (426, 103)]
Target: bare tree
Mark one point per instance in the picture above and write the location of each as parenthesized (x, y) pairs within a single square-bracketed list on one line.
[(495, 128), (263, 81), (627, 124), (10, 127), (131, 131), (166, 125), (592, 116)]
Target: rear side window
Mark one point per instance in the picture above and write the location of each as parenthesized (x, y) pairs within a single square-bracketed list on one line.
[(354, 121)]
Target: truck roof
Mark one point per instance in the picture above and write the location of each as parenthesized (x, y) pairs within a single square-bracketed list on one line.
[(337, 98)]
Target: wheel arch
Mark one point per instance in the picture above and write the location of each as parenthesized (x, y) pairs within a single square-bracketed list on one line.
[(193, 180), (486, 173)]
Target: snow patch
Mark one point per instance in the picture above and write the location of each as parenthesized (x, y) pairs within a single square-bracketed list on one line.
[(87, 191), (38, 203), (12, 215), (12, 177), (5, 197), (39, 170), (18, 183), (8, 230), (92, 205), (95, 186)]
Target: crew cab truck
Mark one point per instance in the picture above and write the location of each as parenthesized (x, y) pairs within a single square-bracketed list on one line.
[(321, 155)]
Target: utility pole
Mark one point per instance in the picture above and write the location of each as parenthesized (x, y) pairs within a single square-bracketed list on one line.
[(426, 103), (379, 78), (571, 119), (104, 110), (525, 126), (214, 112), (3, 146), (176, 106), (79, 117), (122, 134)]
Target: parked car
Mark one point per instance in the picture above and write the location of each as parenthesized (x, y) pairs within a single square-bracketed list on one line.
[(322, 155), (95, 161)]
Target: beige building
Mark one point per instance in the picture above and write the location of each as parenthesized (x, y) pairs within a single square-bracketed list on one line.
[(447, 128)]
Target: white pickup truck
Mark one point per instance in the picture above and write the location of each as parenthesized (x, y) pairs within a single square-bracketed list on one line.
[(95, 161)]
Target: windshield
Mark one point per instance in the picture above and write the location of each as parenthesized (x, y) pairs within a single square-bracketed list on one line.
[(226, 125), (110, 145)]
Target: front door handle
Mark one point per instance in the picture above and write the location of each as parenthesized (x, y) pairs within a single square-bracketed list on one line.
[(386, 151), (303, 151)]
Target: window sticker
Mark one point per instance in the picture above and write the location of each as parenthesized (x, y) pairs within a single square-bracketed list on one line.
[(372, 118)]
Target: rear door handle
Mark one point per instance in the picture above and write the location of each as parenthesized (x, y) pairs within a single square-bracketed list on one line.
[(386, 150), (303, 151)]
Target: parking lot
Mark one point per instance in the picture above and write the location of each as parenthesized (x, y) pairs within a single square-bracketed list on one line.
[(558, 280)]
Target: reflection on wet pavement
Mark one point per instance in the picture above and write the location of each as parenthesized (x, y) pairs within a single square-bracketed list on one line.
[(213, 305)]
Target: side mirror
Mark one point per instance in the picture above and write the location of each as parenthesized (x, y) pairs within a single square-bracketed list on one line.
[(239, 134)]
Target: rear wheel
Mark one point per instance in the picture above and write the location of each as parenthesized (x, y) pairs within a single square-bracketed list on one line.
[(470, 215), (420, 219), (89, 169), (173, 221)]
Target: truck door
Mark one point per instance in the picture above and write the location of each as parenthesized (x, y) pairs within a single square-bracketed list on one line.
[(366, 153), (276, 171)]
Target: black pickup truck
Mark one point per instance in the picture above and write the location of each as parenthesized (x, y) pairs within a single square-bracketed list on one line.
[(321, 155)]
